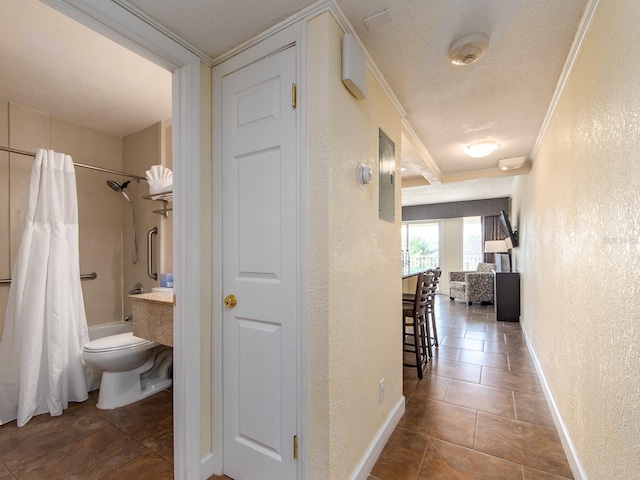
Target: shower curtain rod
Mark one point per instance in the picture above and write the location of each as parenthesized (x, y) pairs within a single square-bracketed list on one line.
[(91, 167)]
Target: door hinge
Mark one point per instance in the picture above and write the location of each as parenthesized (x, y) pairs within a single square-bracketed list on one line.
[(295, 447), (294, 95)]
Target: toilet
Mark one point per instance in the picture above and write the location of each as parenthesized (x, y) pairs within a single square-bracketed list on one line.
[(133, 368)]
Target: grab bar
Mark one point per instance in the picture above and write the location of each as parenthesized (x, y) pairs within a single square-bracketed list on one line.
[(150, 234), (88, 276)]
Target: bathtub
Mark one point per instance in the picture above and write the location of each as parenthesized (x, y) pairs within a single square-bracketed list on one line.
[(105, 330)]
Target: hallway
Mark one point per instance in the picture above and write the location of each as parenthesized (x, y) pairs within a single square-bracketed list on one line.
[(479, 413)]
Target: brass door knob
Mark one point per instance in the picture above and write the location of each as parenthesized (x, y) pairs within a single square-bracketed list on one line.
[(230, 301)]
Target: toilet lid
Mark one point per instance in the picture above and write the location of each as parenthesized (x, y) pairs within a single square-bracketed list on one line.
[(116, 342)]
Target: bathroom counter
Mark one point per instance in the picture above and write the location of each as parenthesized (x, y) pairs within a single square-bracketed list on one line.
[(153, 317)]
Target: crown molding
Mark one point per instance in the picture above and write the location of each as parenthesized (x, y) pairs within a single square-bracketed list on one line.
[(304, 14), (165, 31)]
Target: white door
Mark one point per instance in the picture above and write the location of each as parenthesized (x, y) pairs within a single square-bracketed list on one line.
[(259, 250)]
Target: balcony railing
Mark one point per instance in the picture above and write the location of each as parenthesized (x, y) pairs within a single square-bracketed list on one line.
[(470, 262), (425, 261)]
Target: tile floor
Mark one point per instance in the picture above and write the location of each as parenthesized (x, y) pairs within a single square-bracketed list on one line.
[(133, 442), (479, 412)]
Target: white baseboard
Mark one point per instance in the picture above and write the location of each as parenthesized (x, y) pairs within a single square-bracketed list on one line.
[(206, 466), (565, 439), (377, 444)]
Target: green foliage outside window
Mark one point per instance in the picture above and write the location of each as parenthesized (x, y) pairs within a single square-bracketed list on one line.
[(421, 246)]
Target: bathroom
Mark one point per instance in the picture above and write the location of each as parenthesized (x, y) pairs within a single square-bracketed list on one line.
[(42, 117)]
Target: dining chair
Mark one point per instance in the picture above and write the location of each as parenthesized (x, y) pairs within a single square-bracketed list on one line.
[(414, 315), (431, 305), (431, 312)]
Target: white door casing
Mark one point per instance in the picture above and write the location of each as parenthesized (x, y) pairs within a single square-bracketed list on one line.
[(259, 267)]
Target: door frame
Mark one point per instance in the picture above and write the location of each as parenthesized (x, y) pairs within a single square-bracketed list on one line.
[(274, 41), (132, 29)]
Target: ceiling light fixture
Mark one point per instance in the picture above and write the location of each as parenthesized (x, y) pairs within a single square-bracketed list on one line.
[(511, 163), (480, 150), (468, 49)]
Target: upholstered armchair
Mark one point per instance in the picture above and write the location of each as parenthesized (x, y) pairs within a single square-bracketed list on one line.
[(472, 286)]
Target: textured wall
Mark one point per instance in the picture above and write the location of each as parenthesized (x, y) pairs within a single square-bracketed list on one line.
[(580, 247), (354, 264), (470, 208)]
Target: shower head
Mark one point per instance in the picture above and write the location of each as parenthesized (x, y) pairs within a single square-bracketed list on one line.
[(120, 188), (116, 186)]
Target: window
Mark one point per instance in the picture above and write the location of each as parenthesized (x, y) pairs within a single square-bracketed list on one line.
[(471, 242), (422, 241)]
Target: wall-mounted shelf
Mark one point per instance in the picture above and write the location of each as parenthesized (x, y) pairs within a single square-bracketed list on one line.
[(165, 198)]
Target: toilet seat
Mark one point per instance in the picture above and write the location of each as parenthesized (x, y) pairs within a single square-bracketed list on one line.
[(112, 343)]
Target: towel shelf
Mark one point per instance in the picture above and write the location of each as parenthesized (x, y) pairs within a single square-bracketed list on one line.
[(165, 198)]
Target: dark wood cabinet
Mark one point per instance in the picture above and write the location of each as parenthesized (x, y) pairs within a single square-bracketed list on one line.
[(506, 296)]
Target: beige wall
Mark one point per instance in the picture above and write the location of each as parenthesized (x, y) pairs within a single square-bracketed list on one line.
[(580, 251), (100, 215), (141, 150), (354, 269)]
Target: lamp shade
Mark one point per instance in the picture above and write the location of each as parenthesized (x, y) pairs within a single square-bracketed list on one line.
[(495, 246)]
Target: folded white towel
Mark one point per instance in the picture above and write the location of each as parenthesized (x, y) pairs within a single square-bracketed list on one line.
[(160, 179)]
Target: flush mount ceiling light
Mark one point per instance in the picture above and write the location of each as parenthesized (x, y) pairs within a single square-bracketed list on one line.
[(511, 163), (468, 49), (480, 150)]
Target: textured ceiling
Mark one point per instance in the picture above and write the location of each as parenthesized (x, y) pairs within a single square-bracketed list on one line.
[(503, 97), (215, 27)]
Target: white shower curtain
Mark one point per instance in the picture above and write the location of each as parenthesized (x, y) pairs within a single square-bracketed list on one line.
[(41, 368)]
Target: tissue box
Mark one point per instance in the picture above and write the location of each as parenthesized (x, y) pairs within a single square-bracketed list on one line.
[(166, 280)]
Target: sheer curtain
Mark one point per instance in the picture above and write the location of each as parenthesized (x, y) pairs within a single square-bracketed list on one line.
[(41, 367), (491, 230)]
